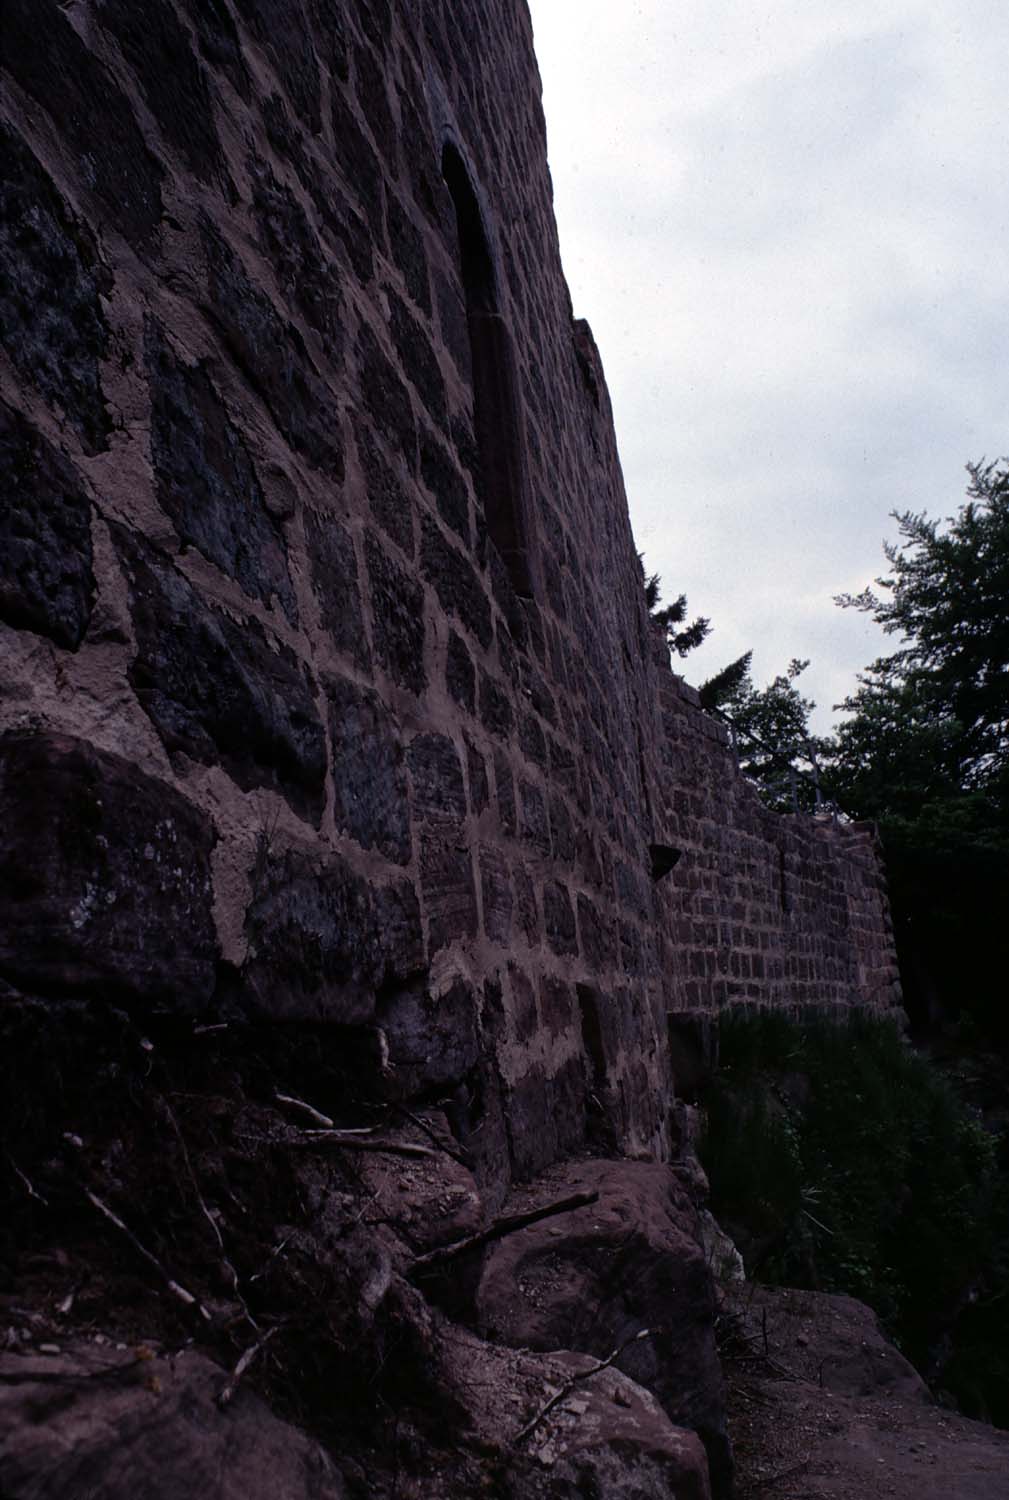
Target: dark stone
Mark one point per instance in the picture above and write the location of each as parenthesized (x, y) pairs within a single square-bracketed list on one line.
[(630, 950), (534, 746), (407, 249), (107, 1433), (357, 161), (456, 584), (389, 501), (281, 27), (323, 941), (559, 919), (216, 689), (562, 830), (156, 46), (495, 707), (439, 797), (535, 825), (330, 18), (369, 782), (418, 359), (446, 484), (527, 911), (479, 791), (95, 118), (432, 1039), (630, 890), (51, 321), (397, 604), (546, 1119), (552, 1286), (524, 1013), (333, 563), (219, 42), (373, 97), (206, 480), (505, 794), (454, 328), (460, 674), (557, 1004), (446, 882), (105, 886), (598, 940), (272, 355), (386, 397), (497, 895), (46, 581), (304, 271)]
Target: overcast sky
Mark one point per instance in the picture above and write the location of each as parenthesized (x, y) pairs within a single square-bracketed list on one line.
[(788, 225)]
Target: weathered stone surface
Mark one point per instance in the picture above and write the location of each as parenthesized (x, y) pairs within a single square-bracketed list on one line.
[(546, 1117), (446, 882), (389, 501), (369, 781), (206, 479), (479, 788), (439, 796), (46, 578), (304, 270), (397, 602), (407, 249), (497, 895), (456, 584), (551, 1286), (217, 690), (271, 354), (323, 941), (432, 1039), (104, 877), (417, 358), (534, 823), (95, 116), (357, 161), (386, 396), (445, 483), (157, 48), (109, 1424), (333, 563), (51, 276), (496, 712), (460, 674), (282, 29), (218, 41)]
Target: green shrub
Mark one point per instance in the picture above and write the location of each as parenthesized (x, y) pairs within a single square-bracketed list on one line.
[(841, 1160)]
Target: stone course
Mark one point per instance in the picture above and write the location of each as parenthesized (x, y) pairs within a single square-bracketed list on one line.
[(251, 591)]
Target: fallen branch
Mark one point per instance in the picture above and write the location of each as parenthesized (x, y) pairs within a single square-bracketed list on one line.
[(308, 1109), (507, 1224), (174, 1287), (227, 1391), (31, 1190), (432, 1135), (349, 1141), (568, 1387)]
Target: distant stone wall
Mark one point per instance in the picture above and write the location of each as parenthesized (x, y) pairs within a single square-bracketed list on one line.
[(329, 692)]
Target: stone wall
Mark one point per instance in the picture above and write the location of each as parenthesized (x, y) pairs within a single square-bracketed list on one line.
[(329, 692)]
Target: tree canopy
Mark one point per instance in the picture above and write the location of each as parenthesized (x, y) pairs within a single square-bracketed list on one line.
[(924, 749)]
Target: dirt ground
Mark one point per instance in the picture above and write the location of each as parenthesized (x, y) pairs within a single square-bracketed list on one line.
[(823, 1407)]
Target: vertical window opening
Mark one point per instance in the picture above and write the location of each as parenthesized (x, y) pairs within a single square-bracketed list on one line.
[(496, 413)]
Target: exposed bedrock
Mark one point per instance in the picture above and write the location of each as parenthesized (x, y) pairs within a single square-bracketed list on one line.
[(592, 1278)]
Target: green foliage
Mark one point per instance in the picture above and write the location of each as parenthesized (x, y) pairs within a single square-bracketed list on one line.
[(772, 731), (925, 749), (842, 1160), (684, 640)]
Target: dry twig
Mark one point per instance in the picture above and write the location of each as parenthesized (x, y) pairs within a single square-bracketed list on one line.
[(507, 1224), (307, 1109), (227, 1391), (568, 1387), (174, 1287), (351, 1141)]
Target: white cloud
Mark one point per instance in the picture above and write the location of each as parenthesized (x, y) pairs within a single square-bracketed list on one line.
[(787, 225)]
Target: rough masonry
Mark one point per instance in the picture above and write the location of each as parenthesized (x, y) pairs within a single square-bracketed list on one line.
[(329, 693)]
